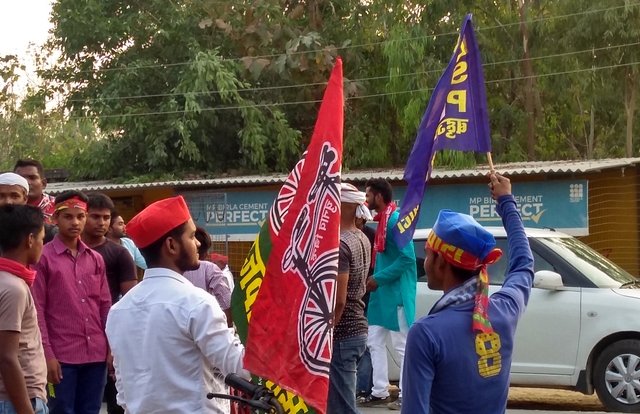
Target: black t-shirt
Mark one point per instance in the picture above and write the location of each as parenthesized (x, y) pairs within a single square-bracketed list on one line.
[(119, 264), (50, 232)]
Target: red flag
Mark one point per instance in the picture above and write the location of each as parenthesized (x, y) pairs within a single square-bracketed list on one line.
[(290, 333)]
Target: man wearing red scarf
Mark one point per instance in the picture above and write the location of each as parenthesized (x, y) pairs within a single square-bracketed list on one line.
[(392, 304), (23, 369)]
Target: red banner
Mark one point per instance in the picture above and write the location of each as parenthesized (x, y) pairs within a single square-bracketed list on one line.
[(290, 332)]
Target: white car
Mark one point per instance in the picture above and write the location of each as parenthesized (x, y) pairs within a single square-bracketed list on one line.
[(581, 329)]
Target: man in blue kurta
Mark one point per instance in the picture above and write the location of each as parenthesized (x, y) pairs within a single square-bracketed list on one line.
[(392, 304), (466, 341)]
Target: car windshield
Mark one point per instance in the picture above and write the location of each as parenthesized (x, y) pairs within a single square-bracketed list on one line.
[(600, 270)]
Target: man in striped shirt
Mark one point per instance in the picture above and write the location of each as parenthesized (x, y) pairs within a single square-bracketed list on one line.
[(72, 299)]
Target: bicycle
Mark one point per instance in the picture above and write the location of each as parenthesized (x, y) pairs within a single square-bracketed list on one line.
[(260, 397)]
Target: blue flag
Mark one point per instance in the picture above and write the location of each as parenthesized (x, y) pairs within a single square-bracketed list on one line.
[(456, 119)]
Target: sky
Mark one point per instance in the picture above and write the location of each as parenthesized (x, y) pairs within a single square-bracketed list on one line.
[(23, 22)]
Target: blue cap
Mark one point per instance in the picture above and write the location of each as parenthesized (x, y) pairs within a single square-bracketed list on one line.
[(463, 232)]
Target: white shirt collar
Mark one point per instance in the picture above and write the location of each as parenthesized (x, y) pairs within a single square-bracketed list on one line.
[(163, 272)]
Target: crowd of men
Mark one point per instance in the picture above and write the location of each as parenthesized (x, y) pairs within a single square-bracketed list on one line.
[(76, 327)]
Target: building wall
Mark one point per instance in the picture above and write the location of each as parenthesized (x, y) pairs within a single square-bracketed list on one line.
[(613, 217), (614, 203)]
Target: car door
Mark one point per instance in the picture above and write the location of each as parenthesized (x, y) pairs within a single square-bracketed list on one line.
[(548, 333)]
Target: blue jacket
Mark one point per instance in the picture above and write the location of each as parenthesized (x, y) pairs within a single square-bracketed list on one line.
[(443, 354), (395, 273)]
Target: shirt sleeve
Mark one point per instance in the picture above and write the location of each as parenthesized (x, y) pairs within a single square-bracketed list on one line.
[(105, 293), (419, 374), (217, 286), (39, 291), (515, 292), (13, 302), (344, 258), (207, 326), (127, 268)]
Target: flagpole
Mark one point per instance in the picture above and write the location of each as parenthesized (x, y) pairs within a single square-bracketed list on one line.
[(490, 160)]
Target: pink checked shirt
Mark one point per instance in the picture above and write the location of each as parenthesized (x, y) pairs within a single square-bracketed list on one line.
[(210, 278), (72, 299)]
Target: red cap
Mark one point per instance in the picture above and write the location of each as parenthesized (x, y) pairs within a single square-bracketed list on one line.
[(157, 220), (218, 257)]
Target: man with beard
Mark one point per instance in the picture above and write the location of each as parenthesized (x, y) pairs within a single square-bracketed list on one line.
[(392, 304), (118, 235), (121, 272), (33, 172), (167, 335), (14, 189)]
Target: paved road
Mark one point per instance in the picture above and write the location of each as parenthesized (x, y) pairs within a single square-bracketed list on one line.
[(383, 410)]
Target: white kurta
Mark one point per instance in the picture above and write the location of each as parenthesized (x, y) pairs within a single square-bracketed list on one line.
[(229, 277), (166, 336)]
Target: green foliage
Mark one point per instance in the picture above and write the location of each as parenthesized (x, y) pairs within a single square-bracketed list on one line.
[(167, 88)]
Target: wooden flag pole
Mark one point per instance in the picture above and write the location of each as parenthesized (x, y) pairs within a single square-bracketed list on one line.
[(490, 160)]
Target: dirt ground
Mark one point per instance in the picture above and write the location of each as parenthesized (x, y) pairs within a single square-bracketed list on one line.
[(544, 399)]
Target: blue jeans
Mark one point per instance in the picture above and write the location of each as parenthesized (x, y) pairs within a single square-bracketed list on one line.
[(342, 375), (38, 405), (81, 389), (364, 383)]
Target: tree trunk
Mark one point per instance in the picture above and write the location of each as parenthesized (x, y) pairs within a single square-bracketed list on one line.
[(396, 138), (592, 134), (631, 95), (529, 91), (315, 18)]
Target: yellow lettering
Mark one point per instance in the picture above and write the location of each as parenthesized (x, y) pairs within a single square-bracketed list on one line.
[(463, 51), (400, 227), (490, 362), (458, 98), (291, 403), (406, 222), (459, 73), (251, 276)]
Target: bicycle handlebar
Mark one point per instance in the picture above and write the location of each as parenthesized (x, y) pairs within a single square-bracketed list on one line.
[(261, 397)]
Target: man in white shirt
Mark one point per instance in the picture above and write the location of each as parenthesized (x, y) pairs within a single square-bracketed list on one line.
[(223, 263), (167, 335)]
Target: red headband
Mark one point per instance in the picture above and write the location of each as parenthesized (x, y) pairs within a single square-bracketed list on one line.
[(74, 202)]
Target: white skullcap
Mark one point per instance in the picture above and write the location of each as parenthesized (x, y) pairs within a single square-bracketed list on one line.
[(363, 212), (14, 179), (350, 194)]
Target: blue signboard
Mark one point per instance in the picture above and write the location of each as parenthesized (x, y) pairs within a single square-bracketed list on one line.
[(562, 205), (237, 214)]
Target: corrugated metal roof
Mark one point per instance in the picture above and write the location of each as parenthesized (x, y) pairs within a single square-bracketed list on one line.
[(513, 169)]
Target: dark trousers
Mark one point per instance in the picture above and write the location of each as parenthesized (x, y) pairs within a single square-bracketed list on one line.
[(81, 389), (342, 375), (110, 393)]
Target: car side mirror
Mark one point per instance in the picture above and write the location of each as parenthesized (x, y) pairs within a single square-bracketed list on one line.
[(548, 280)]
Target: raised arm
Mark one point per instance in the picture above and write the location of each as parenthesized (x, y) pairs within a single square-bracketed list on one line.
[(519, 279)]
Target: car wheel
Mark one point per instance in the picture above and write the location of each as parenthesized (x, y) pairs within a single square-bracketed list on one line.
[(617, 376)]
